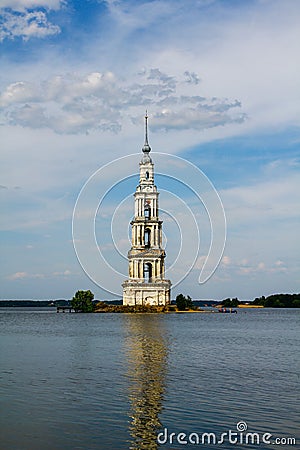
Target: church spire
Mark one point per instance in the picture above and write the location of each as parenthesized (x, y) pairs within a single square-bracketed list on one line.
[(146, 149), (146, 128)]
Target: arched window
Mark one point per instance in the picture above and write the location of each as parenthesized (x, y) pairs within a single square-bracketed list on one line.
[(148, 272), (147, 211), (147, 237), (147, 175)]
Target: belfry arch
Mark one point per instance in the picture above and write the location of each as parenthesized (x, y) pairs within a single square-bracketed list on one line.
[(147, 211), (147, 237), (148, 272)]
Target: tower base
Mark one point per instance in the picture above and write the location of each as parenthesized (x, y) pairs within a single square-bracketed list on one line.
[(138, 293)]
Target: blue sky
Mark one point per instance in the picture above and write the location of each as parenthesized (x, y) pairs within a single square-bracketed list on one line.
[(220, 80)]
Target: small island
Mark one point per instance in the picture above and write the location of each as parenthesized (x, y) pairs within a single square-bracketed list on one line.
[(84, 302)]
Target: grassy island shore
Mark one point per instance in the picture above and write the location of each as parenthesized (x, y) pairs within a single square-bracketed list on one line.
[(103, 307)]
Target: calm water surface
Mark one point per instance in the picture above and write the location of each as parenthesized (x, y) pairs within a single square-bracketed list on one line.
[(113, 381)]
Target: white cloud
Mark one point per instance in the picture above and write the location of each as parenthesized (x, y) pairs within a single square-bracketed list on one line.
[(279, 263), (191, 77), (245, 55), (77, 104), (26, 25), (19, 92), (199, 117), (226, 261), (17, 276), (233, 267), (22, 275), (24, 19), (261, 267), (26, 275), (21, 5), (65, 273)]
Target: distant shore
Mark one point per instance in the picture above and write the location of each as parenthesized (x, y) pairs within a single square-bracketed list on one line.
[(272, 301)]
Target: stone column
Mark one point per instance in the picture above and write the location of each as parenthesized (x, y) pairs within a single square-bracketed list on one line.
[(138, 269), (136, 207), (154, 271), (152, 236), (156, 236), (158, 269), (141, 269)]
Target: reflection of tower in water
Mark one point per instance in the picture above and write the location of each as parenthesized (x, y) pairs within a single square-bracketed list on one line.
[(147, 355)]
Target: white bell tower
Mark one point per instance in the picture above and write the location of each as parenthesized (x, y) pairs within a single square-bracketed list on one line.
[(146, 284)]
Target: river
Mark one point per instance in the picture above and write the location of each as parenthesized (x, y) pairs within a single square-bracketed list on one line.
[(119, 381)]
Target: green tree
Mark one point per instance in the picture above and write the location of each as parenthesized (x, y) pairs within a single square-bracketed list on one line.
[(226, 302), (260, 300), (235, 302), (230, 303), (189, 302), (183, 302), (83, 301)]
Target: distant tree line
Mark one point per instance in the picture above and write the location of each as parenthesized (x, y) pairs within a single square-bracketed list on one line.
[(33, 303), (279, 301), (83, 301), (272, 301)]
